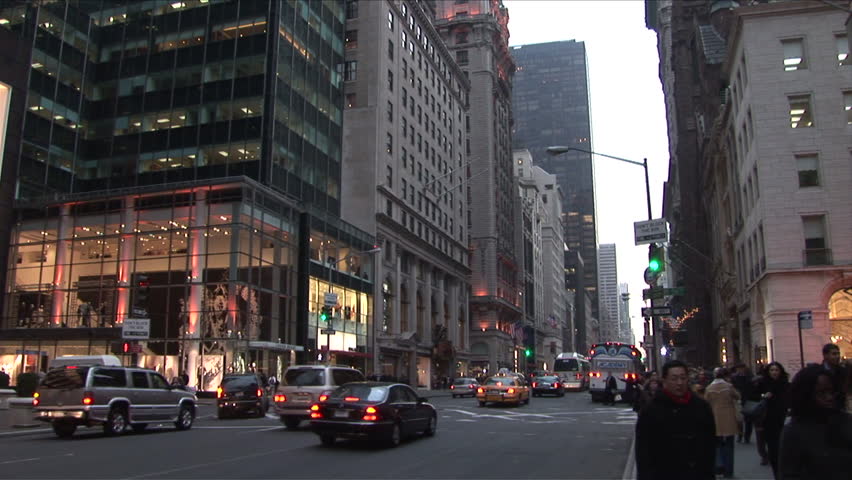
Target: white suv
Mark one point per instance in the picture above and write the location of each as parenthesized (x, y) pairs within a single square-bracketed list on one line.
[(303, 385)]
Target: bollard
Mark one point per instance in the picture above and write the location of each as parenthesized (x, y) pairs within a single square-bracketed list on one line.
[(5, 395), (21, 413)]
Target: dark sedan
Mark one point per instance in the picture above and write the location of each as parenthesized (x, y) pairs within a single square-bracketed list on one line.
[(376, 411), (241, 394), (550, 384)]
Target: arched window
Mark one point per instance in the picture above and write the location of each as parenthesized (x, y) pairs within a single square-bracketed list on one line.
[(840, 318)]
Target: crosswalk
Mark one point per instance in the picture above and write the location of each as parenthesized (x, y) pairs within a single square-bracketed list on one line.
[(553, 415)]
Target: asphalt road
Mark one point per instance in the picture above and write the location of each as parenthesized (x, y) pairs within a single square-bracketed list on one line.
[(551, 438)]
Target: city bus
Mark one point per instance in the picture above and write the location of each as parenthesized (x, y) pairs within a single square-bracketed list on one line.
[(573, 368), (622, 360)]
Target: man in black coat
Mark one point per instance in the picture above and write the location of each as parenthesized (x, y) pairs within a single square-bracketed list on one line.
[(676, 432), (831, 363)]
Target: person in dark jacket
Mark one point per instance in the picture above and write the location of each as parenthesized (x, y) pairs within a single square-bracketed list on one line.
[(837, 372), (775, 389), (676, 432), (817, 442), (742, 381), (610, 390)]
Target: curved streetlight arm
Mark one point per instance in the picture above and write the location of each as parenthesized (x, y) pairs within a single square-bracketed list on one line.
[(556, 150)]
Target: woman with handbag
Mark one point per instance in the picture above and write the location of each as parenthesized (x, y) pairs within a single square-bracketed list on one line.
[(775, 390)]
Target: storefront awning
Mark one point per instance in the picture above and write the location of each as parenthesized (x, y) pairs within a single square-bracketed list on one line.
[(281, 347)]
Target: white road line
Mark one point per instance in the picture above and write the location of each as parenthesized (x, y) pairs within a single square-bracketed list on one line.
[(225, 427), (33, 459), (26, 432)]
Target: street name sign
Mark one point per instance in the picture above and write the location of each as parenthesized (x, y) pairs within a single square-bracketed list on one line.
[(806, 320), (136, 328), (328, 331), (674, 291), (657, 311), (650, 231), (653, 293), (330, 299), (140, 312)]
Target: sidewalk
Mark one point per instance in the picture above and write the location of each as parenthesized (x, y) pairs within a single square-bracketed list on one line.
[(746, 464)]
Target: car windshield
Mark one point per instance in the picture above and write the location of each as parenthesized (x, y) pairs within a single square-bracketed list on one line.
[(239, 382), (305, 377), (364, 393), (548, 379), (66, 378), (500, 381)]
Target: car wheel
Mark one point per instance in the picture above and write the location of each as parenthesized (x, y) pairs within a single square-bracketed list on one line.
[(395, 436), (186, 416), (432, 427), (139, 427), (64, 429), (291, 423), (481, 404), (327, 440), (116, 421)]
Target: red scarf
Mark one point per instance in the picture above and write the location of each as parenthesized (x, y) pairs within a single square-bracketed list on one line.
[(679, 400)]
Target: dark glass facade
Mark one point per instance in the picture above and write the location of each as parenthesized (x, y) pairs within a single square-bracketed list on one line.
[(550, 102)]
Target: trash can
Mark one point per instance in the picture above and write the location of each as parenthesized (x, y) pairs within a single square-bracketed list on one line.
[(21, 412)]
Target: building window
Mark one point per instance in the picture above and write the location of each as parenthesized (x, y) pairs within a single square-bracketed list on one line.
[(816, 252), (390, 177), (794, 54), (461, 57), (389, 144), (350, 71), (351, 9), (404, 98), (404, 158), (842, 43), (390, 111), (847, 106), (808, 167), (351, 39), (390, 50), (404, 127), (801, 114), (461, 37), (390, 21), (350, 100)]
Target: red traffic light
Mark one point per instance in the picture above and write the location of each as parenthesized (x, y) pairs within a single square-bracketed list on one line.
[(125, 347)]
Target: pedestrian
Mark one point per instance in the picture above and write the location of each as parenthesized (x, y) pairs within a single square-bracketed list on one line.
[(648, 393), (4, 378), (610, 389), (775, 389), (838, 373), (676, 432), (817, 442), (701, 382), (760, 440), (742, 381), (724, 399)]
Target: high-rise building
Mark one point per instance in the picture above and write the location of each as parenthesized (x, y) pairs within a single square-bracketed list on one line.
[(608, 280), (624, 328), (477, 34), (550, 101), (180, 163), (405, 139)]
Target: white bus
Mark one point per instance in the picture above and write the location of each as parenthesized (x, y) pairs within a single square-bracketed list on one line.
[(621, 360), (574, 370)]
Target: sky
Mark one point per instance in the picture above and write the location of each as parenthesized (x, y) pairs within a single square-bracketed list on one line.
[(627, 109)]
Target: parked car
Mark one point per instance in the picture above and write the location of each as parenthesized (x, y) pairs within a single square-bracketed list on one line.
[(112, 397), (376, 411), (462, 387), (241, 394), (503, 389), (549, 384), (305, 385)]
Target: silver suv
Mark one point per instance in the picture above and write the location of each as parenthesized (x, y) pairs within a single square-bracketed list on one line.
[(111, 396), (303, 385)]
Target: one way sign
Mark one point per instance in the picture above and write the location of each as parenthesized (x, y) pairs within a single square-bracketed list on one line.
[(657, 311)]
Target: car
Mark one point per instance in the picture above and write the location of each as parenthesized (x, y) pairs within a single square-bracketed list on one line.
[(375, 411), (241, 394), (464, 386), (110, 396), (503, 389), (548, 384), (305, 385)]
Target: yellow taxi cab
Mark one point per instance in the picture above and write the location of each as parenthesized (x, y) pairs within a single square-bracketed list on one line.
[(503, 389)]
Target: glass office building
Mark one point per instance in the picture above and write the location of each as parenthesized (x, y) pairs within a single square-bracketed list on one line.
[(180, 161)]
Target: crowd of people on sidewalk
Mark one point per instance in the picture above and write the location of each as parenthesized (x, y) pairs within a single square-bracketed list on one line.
[(688, 422)]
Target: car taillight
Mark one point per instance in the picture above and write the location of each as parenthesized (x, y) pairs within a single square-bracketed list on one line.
[(471, 386), (323, 398), (556, 385), (510, 391), (280, 397), (351, 399), (36, 401), (371, 414), (88, 398), (579, 376), (452, 387), (315, 413), (219, 392), (480, 390), (535, 384), (259, 393)]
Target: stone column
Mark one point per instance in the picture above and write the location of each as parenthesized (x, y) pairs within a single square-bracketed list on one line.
[(195, 307), (127, 253), (60, 272)]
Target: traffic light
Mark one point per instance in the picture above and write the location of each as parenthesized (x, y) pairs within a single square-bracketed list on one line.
[(528, 352), (120, 348), (325, 313), (143, 287), (656, 259), (529, 344)]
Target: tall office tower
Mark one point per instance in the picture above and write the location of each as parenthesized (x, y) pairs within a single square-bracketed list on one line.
[(624, 327), (608, 278), (404, 137), (476, 33), (179, 165), (550, 103)]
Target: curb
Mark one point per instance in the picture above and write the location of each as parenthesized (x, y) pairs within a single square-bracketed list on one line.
[(25, 431), (630, 466)]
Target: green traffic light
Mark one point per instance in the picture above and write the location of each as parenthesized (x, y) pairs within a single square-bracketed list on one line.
[(527, 352), (654, 265)]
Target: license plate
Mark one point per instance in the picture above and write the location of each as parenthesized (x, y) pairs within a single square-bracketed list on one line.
[(238, 394), (341, 414)]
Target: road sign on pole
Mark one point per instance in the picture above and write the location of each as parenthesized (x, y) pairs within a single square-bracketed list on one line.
[(136, 328), (328, 331), (806, 320), (665, 311), (330, 299), (650, 231)]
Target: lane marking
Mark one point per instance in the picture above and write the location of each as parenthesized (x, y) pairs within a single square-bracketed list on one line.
[(33, 459), (209, 464), (27, 432)]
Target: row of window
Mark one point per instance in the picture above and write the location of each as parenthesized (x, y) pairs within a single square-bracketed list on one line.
[(795, 57)]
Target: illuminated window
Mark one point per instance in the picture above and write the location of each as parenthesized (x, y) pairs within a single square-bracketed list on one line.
[(351, 39), (794, 54), (842, 42), (390, 21), (801, 114), (847, 105)]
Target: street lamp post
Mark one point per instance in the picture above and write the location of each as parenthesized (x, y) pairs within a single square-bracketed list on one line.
[(557, 150), (330, 319)]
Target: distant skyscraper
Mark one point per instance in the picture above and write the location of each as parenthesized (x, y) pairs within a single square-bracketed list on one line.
[(608, 277), (551, 107)]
